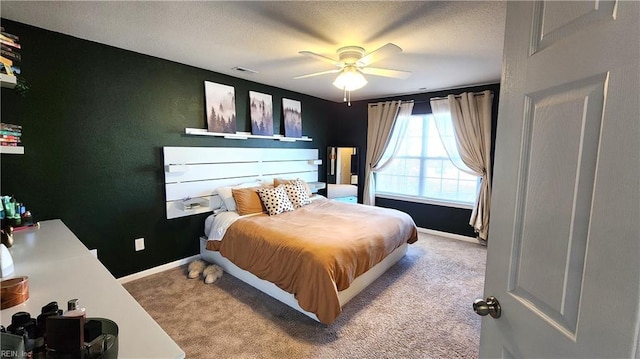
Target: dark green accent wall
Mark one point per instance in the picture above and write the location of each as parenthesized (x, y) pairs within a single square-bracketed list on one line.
[(94, 123), (350, 129)]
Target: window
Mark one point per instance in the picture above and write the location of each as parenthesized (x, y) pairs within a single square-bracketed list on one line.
[(422, 171)]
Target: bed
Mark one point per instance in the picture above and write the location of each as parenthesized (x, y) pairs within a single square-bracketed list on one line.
[(314, 258), (194, 179)]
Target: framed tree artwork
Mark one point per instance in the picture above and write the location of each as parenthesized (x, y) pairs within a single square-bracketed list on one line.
[(292, 113), (261, 106), (220, 103)]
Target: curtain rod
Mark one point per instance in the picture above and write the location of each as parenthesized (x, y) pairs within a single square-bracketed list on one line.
[(402, 101), (435, 98), (458, 96)]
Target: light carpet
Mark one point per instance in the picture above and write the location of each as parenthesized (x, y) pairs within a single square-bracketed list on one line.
[(420, 308)]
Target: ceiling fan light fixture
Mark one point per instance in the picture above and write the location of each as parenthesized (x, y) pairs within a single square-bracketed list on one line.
[(353, 63), (350, 79)]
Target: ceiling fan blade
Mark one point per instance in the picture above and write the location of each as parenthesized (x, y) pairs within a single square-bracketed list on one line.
[(379, 54), (386, 72), (317, 74), (321, 58)]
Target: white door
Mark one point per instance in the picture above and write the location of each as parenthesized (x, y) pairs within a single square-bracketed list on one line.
[(564, 241)]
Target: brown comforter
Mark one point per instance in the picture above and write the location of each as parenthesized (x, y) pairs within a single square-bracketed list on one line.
[(317, 250)]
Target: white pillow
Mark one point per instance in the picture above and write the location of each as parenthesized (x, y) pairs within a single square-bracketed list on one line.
[(219, 225), (226, 194), (275, 200), (297, 193)]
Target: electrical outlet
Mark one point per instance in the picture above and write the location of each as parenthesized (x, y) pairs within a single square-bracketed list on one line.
[(139, 244)]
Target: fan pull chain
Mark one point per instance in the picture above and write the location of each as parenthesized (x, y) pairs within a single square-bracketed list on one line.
[(347, 96)]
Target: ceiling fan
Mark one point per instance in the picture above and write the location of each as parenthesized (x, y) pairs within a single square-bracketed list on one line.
[(352, 63)]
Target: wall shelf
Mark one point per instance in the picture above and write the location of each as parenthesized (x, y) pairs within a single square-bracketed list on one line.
[(243, 135), (8, 81), (13, 150), (193, 204)]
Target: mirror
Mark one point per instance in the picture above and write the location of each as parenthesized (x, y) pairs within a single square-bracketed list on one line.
[(342, 174)]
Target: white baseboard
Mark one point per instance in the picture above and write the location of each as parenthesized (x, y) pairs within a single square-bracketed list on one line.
[(448, 235), (158, 269)]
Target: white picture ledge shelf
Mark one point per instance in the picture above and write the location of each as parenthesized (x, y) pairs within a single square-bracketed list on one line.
[(243, 135)]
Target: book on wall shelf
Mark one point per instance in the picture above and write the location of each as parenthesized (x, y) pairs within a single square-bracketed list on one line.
[(12, 37), (9, 39), (7, 66), (9, 56), (11, 138)]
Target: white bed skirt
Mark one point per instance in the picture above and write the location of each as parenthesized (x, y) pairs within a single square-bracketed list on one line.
[(274, 291)]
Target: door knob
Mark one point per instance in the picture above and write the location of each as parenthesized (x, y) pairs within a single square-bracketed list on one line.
[(491, 306)]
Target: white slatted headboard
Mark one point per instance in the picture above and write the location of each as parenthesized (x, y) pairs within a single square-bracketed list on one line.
[(191, 174)]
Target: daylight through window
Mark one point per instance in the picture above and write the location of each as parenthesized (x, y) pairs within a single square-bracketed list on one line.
[(421, 169)]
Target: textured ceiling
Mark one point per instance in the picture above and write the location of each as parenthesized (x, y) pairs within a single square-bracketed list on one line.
[(445, 44)]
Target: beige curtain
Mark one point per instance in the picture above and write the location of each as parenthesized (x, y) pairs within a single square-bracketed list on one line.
[(381, 145), (470, 115)]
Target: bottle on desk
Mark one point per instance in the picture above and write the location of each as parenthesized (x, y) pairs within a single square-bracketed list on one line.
[(74, 309)]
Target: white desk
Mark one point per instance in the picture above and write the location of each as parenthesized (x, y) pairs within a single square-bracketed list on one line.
[(60, 268)]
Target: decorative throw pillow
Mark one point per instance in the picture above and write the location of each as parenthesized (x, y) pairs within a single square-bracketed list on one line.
[(226, 194), (279, 181), (297, 194), (247, 200), (275, 200)]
